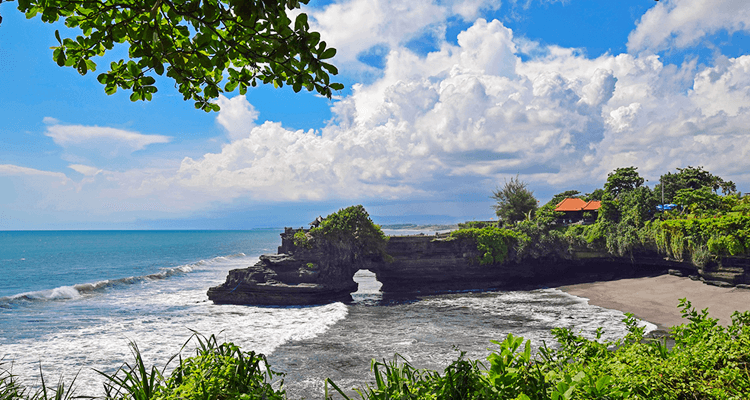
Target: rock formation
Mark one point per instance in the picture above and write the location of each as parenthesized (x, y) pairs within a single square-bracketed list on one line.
[(420, 264), (296, 276)]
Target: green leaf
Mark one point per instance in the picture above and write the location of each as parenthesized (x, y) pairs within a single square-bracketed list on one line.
[(59, 56), (301, 22), (91, 65), (331, 69), (230, 86), (337, 86), (329, 53)]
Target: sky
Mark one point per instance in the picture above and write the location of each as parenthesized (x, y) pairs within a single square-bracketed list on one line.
[(444, 102)]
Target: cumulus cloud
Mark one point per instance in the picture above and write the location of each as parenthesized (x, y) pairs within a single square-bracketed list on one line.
[(237, 116), (359, 27), (683, 23), (458, 120), (111, 141), (476, 111)]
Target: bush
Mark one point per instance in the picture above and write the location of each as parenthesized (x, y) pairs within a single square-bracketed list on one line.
[(352, 226), (217, 371), (492, 242), (475, 224)]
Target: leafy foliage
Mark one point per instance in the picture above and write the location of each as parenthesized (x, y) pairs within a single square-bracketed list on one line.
[(691, 178), (475, 224), (492, 242), (221, 371), (217, 371), (351, 225), (722, 235), (11, 389), (198, 44), (515, 202), (623, 180), (301, 239), (698, 201)]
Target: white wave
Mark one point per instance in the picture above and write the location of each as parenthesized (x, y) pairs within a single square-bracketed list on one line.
[(77, 290), (103, 344)]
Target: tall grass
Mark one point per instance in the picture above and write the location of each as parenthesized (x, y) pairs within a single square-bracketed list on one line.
[(12, 389)]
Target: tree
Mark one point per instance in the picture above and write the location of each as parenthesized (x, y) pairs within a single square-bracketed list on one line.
[(691, 178), (622, 180), (198, 44), (514, 201)]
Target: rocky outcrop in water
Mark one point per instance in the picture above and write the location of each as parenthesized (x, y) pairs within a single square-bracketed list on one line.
[(433, 264), (296, 276)]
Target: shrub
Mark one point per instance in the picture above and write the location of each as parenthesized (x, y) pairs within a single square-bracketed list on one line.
[(492, 242), (352, 225)]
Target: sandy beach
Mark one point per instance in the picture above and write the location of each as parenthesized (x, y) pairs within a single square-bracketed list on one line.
[(655, 299)]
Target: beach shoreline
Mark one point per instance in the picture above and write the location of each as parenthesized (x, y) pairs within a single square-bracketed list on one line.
[(656, 299)]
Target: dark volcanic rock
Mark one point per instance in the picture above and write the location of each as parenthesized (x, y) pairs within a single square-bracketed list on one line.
[(301, 276), (432, 264)]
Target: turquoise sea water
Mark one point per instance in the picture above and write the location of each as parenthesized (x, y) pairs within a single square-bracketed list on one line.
[(71, 301)]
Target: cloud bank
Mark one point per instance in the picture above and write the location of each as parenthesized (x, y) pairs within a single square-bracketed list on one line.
[(457, 120)]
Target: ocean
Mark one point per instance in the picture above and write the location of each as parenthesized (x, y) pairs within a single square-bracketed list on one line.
[(72, 301)]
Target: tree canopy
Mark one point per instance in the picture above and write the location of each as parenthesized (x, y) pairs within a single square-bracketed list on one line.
[(198, 44), (515, 202), (623, 180), (691, 178)]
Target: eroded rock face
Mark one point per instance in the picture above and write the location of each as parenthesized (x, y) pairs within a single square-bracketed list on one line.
[(429, 264), (298, 276)]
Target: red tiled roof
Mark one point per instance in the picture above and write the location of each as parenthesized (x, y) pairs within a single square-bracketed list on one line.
[(576, 204), (592, 205), (571, 204)]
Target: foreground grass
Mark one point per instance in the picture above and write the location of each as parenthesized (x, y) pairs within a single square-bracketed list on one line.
[(707, 361)]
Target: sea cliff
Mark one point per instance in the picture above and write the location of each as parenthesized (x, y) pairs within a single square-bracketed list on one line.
[(421, 264)]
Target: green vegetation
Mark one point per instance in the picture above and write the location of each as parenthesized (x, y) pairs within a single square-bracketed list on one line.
[(349, 226), (623, 180), (198, 44), (515, 202), (492, 242), (475, 224), (707, 361), (705, 227)]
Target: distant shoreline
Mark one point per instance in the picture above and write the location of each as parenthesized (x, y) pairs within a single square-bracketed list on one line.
[(655, 299)]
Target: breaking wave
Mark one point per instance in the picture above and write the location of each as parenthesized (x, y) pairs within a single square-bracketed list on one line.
[(83, 289)]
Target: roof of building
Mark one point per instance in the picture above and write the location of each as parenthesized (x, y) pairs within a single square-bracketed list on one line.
[(571, 204), (592, 205), (576, 204)]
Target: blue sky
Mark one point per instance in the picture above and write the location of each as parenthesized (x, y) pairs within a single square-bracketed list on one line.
[(444, 100)]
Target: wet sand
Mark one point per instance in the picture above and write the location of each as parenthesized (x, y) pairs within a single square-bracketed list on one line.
[(655, 299)]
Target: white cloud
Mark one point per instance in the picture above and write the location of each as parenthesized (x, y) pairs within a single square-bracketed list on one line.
[(356, 26), (85, 169), (237, 116), (683, 23), (110, 141), (456, 121), (15, 170)]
